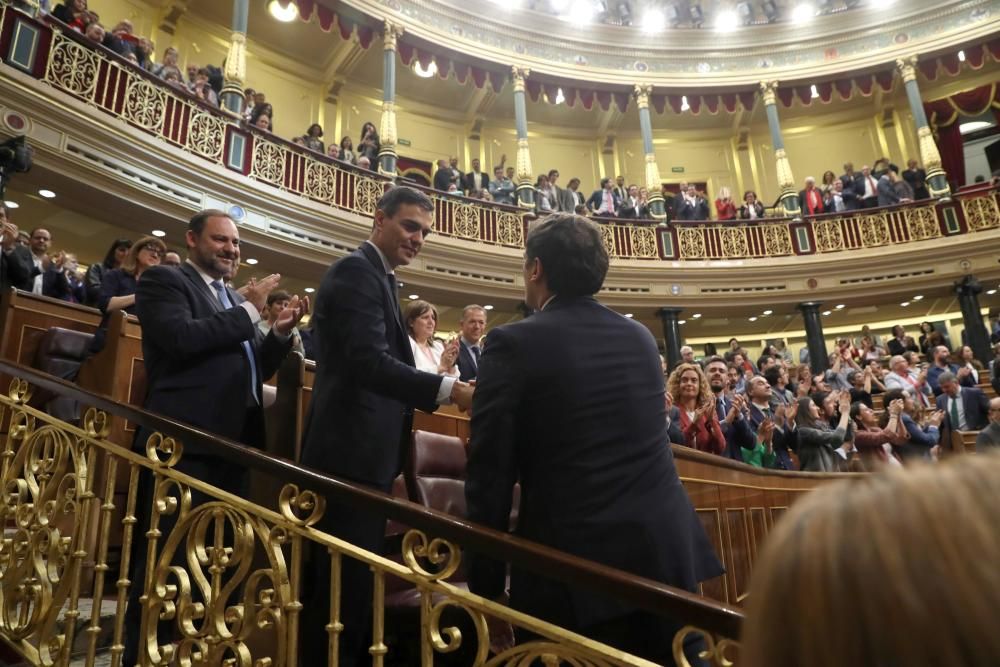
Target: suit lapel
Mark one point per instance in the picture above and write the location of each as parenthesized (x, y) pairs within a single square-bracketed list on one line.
[(199, 286), (370, 253)]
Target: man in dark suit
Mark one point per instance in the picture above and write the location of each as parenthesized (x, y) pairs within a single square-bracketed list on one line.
[(692, 205), (17, 269), (473, 326), (586, 436), (605, 202), (734, 424), (917, 178), (361, 411), (852, 200), (443, 177), (965, 408), (205, 361), (475, 181)]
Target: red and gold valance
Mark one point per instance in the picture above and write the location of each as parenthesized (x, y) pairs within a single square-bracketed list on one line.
[(975, 102)]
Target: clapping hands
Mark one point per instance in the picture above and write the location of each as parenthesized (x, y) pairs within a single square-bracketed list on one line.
[(291, 315)]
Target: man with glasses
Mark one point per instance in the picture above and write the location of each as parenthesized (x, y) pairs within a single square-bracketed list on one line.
[(989, 437)]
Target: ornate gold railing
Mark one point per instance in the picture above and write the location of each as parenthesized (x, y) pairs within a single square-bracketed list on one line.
[(71, 64), (225, 576)]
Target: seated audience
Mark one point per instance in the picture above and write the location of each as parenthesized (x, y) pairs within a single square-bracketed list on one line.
[(95, 32), (817, 439), (989, 437), (695, 409), (900, 342), (725, 209), (875, 444), (882, 552), (119, 285), (922, 436), (311, 139), (751, 209), (365, 163), (870, 350), (263, 117), (420, 319), (942, 364), (95, 274), (171, 259)]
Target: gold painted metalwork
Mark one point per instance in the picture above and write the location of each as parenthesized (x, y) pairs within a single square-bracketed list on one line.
[(236, 60), (387, 125), (716, 653), (206, 135), (922, 223), (929, 154), (907, 68), (465, 221), (734, 242), (320, 181), (643, 242), (981, 213), (72, 67), (268, 162), (642, 93), (874, 230), (768, 90), (777, 240), (367, 192), (144, 104), (785, 179), (518, 75), (829, 236), (653, 183), (524, 172), (691, 243), (608, 236), (222, 585), (510, 229), (390, 35)]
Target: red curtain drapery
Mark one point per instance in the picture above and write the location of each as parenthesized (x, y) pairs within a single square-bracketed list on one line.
[(945, 115)]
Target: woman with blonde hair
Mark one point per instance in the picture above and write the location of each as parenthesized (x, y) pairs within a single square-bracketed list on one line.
[(724, 206), (429, 354), (914, 585), (119, 285), (694, 409)]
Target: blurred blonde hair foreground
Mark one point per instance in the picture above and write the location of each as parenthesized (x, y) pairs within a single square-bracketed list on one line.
[(895, 569)]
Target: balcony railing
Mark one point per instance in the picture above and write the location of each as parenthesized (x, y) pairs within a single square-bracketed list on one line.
[(68, 62), (224, 578)]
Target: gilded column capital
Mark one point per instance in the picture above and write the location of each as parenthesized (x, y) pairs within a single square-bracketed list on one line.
[(392, 32), (768, 90), (907, 68), (519, 74), (642, 93)]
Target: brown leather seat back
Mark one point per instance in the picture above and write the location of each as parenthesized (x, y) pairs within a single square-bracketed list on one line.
[(435, 473), (61, 351)]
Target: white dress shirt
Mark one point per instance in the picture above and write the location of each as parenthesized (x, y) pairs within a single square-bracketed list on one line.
[(246, 305), (963, 424)]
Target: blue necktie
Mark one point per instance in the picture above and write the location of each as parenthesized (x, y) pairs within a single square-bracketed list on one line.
[(227, 303)]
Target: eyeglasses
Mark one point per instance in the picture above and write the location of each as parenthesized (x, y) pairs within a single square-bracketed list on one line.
[(153, 250)]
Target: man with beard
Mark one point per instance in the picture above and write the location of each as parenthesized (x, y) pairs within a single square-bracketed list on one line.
[(730, 410)]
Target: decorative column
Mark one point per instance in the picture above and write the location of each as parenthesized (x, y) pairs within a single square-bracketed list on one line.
[(387, 124), (819, 358), (937, 179), (670, 317), (524, 173), (976, 335), (236, 61), (654, 187), (786, 182)]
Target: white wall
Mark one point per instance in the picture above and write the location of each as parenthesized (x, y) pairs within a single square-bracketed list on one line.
[(975, 158)]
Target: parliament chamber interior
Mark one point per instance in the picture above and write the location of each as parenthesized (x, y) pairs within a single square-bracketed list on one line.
[(690, 341)]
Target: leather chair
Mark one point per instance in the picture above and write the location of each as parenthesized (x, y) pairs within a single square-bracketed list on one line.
[(61, 352), (435, 472)]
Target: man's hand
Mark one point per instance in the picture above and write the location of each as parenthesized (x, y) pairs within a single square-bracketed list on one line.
[(937, 417), (461, 394), (256, 291), (963, 372), (9, 235), (291, 315)]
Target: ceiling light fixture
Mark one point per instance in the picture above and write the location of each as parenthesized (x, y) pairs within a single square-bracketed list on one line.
[(827, 312), (905, 304), (11, 205), (682, 321), (961, 56), (654, 20), (159, 233), (991, 292), (413, 297), (973, 126), (684, 103), (251, 261), (696, 316), (628, 315), (767, 312), (753, 319), (560, 98), (425, 72), (803, 12), (487, 307), (813, 91), (582, 11), (727, 21), (48, 194), (309, 290), (917, 297), (283, 14), (840, 306)]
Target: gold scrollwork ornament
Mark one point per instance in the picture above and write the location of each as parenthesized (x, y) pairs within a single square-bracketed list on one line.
[(465, 221), (73, 67), (437, 552), (510, 230), (367, 192), (303, 508)]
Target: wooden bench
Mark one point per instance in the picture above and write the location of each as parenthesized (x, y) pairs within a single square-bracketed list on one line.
[(964, 442)]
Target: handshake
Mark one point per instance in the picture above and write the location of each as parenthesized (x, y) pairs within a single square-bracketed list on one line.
[(461, 394)]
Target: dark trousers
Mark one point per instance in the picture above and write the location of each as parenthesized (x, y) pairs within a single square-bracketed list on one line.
[(869, 202), (214, 470), (362, 529)]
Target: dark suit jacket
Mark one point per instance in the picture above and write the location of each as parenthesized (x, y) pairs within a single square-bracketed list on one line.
[(689, 211), (467, 369), (17, 269), (887, 195), (597, 197), (586, 436), (366, 386), (783, 441), (638, 211), (442, 179), (469, 181), (802, 203), (976, 406), (196, 369), (738, 434), (849, 182)]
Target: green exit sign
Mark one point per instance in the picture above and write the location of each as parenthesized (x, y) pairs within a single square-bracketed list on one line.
[(677, 170), (406, 142)]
